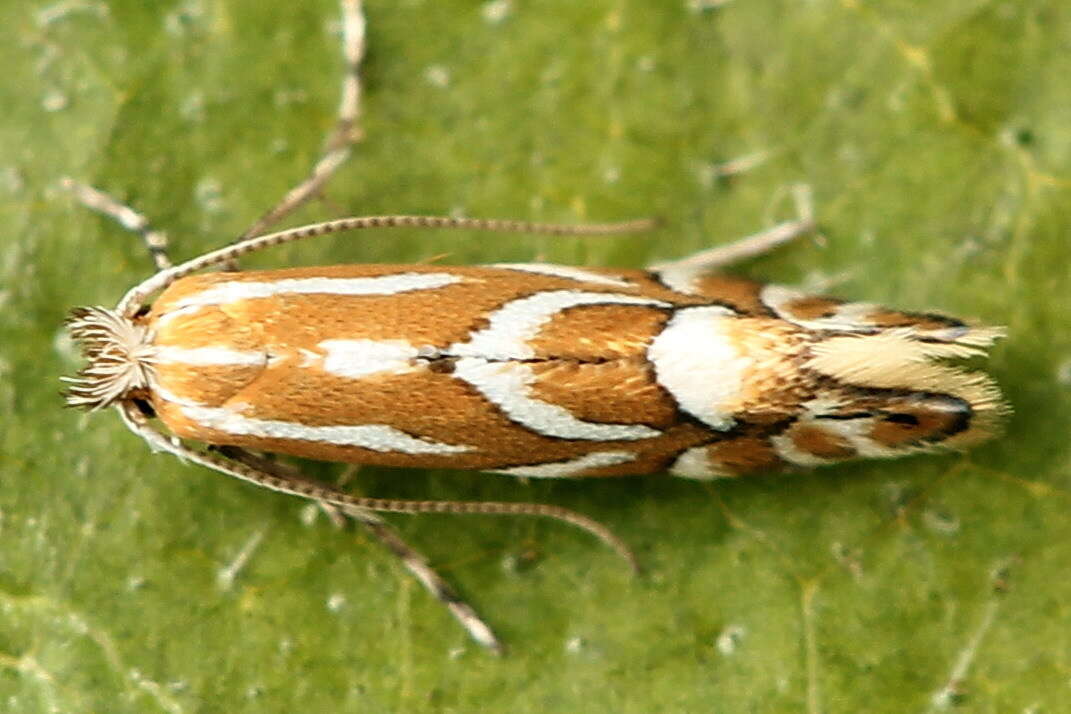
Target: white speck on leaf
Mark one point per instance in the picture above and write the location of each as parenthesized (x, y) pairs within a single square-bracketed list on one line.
[(729, 639), (437, 76), (496, 11), (54, 101)]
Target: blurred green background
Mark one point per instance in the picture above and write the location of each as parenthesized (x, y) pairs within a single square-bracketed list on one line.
[(936, 137)]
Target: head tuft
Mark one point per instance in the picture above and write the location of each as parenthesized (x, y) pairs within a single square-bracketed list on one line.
[(119, 353)]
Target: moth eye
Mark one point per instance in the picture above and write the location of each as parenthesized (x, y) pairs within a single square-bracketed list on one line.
[(145, 408)]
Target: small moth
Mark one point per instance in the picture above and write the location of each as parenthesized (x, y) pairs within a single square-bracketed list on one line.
[(531, 370)]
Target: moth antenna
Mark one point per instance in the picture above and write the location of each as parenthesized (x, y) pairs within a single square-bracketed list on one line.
[(315, 491), (137, 295), (387, 505)]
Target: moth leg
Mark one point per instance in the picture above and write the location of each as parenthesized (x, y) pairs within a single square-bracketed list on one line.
[(418, 566), (333, 512), (96, 200), (413, 560), (684, 270), (344, 134)]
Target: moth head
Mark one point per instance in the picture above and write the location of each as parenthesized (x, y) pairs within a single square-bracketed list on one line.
[(893, 393), (119, 354)]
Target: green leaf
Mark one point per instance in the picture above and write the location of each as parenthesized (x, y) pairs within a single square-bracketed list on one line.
[(936, 139)]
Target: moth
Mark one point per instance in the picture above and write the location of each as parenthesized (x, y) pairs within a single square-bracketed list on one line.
[(531, 370)]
